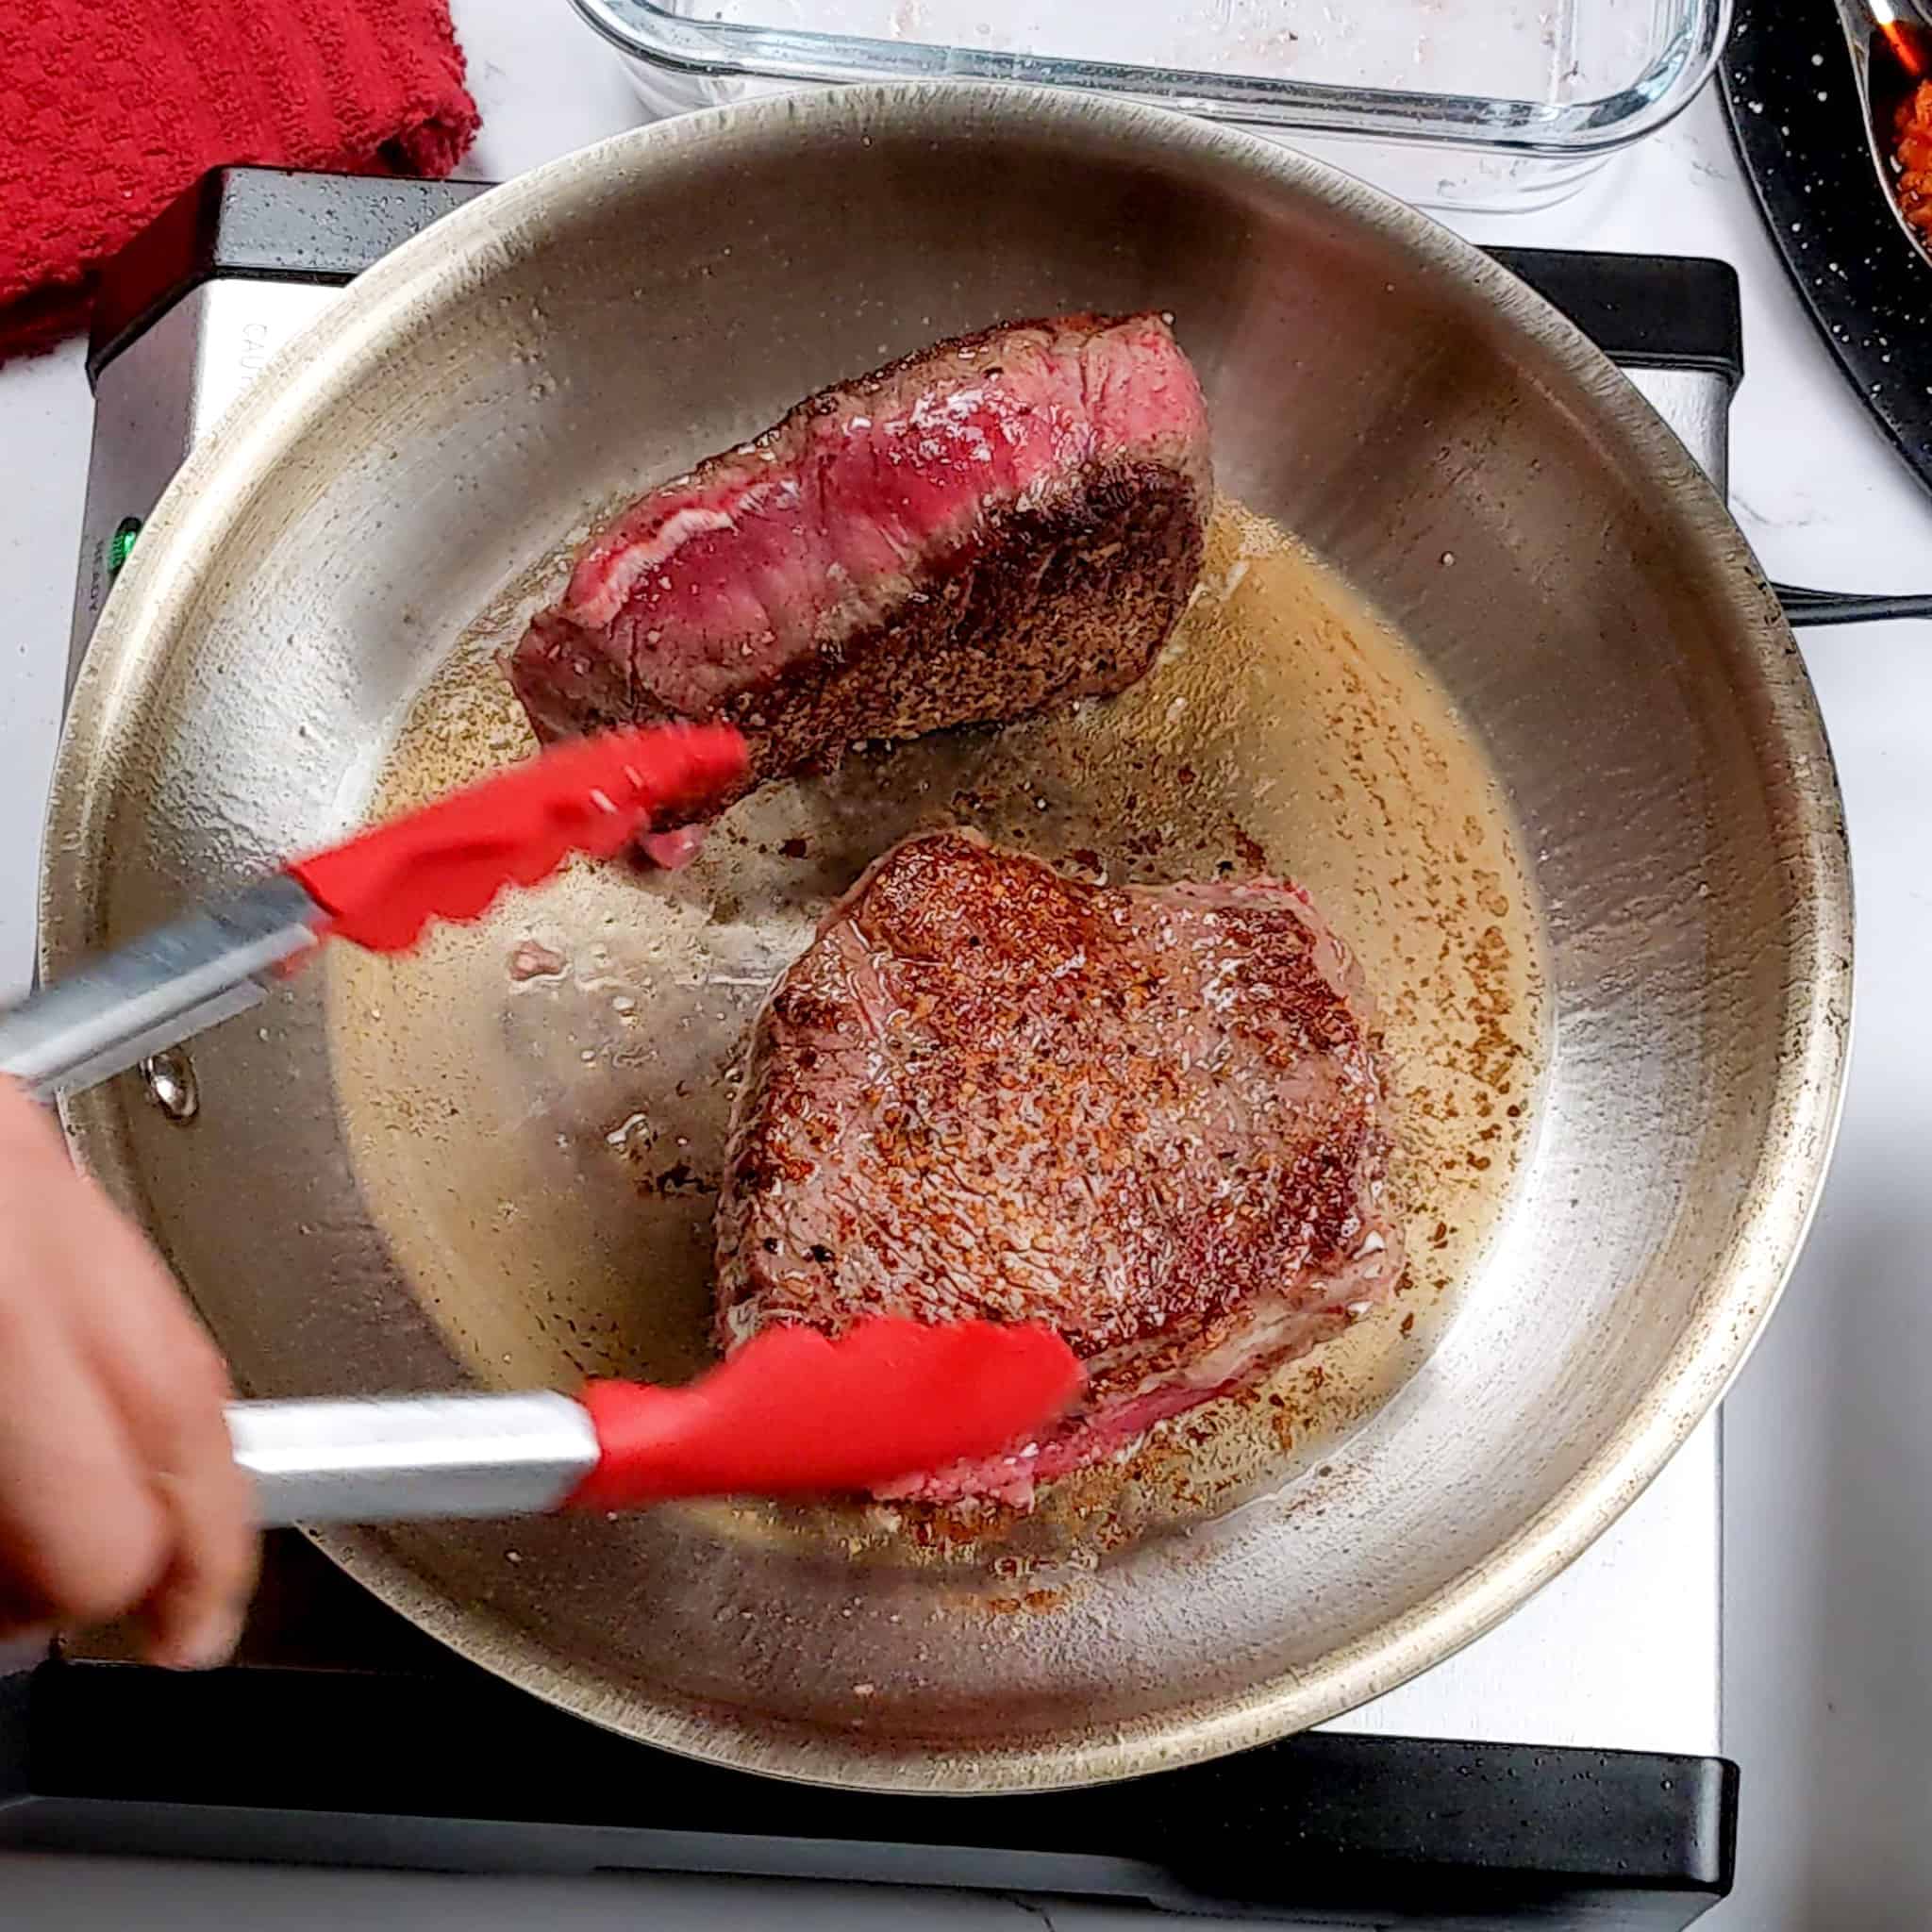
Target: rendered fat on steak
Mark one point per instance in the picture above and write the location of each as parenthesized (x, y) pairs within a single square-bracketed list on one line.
[(1006, 521), (1150, 1116)]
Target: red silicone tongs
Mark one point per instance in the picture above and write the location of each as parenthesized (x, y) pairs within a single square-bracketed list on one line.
[(447, 860), (788, 1413)]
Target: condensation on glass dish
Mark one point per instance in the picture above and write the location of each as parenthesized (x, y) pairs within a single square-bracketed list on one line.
[(1491, 48), (1470, 52)]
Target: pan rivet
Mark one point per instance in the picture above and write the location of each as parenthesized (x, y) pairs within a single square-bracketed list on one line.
[(169, 1078)]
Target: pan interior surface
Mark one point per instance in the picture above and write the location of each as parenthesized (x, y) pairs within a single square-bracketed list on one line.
[(1479, 659)]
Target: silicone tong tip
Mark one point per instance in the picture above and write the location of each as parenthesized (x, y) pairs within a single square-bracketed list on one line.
[(450, 859), (793, 1412)]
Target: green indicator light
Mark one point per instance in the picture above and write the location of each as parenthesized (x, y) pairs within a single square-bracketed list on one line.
[(121, 544)]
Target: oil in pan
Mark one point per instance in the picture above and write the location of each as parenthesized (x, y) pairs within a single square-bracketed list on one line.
[(537, 1105)]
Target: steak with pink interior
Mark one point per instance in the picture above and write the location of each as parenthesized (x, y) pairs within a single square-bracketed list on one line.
[(1150, 1116), (1002, 522)]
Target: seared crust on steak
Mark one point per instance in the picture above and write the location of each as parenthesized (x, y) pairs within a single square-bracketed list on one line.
[(1150, 1116)]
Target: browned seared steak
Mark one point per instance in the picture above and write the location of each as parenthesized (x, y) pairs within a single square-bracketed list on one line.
[(1150, 1116), (1005, 521)]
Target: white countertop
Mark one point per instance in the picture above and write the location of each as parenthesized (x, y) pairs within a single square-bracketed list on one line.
[(1827, 1681)]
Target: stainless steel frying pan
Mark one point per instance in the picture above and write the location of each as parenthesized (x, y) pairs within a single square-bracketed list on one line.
[(1615, 981)]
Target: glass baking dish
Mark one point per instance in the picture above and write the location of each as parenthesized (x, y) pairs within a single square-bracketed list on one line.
[(1457, 104)]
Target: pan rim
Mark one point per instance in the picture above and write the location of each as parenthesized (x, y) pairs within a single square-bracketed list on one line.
[(165, 572)]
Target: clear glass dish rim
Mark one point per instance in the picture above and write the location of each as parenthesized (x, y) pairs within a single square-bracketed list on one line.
[(1568, 130)]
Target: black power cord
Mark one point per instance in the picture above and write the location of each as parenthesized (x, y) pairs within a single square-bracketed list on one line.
[(1805, 608)]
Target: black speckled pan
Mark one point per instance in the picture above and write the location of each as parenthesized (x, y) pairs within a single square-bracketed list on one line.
[(1799, 128)]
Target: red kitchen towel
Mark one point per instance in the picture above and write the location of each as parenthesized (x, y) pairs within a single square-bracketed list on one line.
[(108, 111)]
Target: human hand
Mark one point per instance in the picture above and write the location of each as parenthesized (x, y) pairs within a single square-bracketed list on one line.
[(118, 1488)]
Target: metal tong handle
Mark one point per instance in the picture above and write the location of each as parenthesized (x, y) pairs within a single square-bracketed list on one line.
[(160, 988), (413, 1459)]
